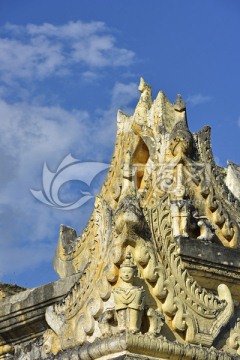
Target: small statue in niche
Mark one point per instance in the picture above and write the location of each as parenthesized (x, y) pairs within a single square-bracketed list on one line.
[(180, 209), (129, 299), (180, 147), (180, 216)]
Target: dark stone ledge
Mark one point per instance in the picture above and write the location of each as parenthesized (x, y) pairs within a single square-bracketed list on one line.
[(22, 316), (211, 264)]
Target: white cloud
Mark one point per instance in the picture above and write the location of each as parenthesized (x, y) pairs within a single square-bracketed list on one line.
[(198, 99), (40, 51), (36, 59), (35, 131), (71, 30), (33, 134), (90, 76), (30, 136), (124, 94)]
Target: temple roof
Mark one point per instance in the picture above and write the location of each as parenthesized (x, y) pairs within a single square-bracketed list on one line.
[(163, 191), (156, 269)]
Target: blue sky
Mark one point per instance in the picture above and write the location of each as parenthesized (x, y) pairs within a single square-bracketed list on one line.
[(65, 69)]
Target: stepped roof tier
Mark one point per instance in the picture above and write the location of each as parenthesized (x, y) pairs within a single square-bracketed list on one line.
[(156, 272)]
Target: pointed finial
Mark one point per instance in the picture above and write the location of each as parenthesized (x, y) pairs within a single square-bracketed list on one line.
[(179, 104), (128, 262), (141, 84)]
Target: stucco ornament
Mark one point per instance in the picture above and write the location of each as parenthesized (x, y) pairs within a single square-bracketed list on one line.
[(163, 189), (129, 299)]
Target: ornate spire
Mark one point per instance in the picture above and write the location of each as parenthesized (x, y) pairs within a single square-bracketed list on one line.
[(179, 104)]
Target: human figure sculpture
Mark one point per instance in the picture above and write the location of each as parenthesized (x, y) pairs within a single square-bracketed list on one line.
[(180, 146), (179, 207), (129, 299), (180, 216)]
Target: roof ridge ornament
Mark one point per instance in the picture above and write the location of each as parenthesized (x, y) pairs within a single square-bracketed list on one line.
[(179, 104)]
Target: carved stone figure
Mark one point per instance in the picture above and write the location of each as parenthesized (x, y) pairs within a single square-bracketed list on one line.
[(207, 230), (179, 206), (129, 299), (105, 321), (180, 140), (156, 320), (180, 216)]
